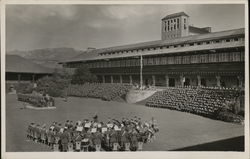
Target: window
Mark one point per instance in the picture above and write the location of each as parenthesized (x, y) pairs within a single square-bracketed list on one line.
[(203, 58), (236, 39), (171, 60), (185, 27), (227, 40), (186, 59), (212, 57), (163, 60), (178, 59), (207, 42), (194, 59), (242, 56), (217, 41)]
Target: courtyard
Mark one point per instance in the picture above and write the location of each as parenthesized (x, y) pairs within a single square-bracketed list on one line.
[(178, 130)]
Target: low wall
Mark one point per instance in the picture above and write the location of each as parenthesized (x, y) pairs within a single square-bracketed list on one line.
[(134, 96)]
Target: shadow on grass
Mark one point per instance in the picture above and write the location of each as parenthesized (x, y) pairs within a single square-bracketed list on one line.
[(231, 144)]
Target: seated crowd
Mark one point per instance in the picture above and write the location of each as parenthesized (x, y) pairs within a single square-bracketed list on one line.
[(124, 135), (198, 101), (37, 99), (105, 91)]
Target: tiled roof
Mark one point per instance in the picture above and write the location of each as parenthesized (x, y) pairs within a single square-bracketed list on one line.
[(91, 55)]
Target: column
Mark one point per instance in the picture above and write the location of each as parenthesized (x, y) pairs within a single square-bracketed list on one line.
[(240, 81), (111, 79), (33, 78), (167, 80), (153, 79), (120, 78), (218, 81), (19, 78), (103, 79), (182, 80), (130, 79), (199, 80)]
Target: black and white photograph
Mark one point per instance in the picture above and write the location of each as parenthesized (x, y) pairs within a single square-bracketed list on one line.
[(125, 78)]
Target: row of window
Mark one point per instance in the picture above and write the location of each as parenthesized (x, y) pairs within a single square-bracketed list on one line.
[(187, 59), (175, 46)]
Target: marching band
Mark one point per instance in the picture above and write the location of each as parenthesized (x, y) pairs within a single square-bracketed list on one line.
[(92, 135)]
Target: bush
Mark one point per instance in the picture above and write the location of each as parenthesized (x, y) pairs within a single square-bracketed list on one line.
[(35, 100), (55, 85), (229, 117), (24, 88), (83, 75)]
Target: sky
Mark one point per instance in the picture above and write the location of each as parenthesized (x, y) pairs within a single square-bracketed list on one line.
[(31, 27)]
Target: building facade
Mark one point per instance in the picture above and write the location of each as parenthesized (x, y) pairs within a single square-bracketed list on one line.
[(185, 56)]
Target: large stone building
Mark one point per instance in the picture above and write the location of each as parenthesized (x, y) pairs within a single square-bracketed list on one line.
[(186, 55)]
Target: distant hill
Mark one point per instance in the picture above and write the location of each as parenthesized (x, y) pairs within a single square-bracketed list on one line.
[(48, 57)]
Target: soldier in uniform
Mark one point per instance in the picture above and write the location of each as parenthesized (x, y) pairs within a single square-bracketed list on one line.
[(43, 134), (134, 141), (78, 139), (64, 137), (125, 144), (114, 140), (50, 137)]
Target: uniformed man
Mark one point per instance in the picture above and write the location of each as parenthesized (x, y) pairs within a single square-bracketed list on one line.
[(134, 141), (64, 137), (114, 140), (78, 140), (125, 144)]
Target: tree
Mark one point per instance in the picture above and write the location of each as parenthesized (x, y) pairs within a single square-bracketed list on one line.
[(83, 75), (54, 85)]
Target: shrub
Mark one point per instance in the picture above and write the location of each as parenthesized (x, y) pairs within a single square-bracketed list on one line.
[(54, 85), (83, 75), (229, 117)]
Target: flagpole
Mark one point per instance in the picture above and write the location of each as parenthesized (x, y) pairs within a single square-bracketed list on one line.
[(141, 65)]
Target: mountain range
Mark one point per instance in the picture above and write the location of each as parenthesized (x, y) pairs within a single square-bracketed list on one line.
[(48, 57)]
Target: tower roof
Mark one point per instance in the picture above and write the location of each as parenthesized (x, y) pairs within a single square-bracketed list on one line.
[(175, 15)]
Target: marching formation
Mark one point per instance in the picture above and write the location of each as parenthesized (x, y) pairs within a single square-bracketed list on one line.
[(198, 101), (115, 135), (105, 91)]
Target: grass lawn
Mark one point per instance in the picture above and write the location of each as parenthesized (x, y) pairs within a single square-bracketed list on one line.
[(177, 129)]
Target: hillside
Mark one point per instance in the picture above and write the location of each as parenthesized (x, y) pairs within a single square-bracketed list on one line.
[(48, 57)]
